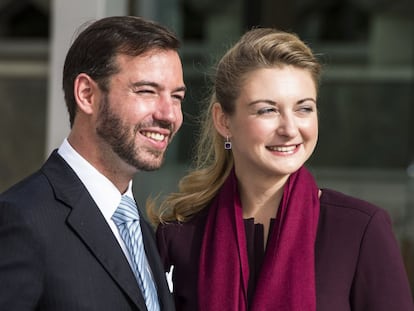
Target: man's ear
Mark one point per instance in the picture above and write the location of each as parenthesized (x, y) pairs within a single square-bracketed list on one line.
[(221, 120), (86, 92)]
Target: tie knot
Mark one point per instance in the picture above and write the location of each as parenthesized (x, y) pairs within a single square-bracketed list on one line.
[(127, 211)]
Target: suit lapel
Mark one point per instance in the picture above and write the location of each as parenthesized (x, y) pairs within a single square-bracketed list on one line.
[(89, 224)]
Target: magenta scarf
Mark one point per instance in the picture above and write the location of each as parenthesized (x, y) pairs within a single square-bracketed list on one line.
[(287, 277)]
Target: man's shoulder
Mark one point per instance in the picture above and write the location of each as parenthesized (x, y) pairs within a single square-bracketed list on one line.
[(23, 190), (37, 186)]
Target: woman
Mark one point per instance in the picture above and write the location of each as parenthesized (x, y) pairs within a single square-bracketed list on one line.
[(249, 229)]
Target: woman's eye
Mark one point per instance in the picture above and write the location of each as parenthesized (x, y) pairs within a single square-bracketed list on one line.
[(266, 110), (306, 109)]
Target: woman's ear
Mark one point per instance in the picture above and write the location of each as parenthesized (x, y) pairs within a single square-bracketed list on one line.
[(221, 120), (85, 91)]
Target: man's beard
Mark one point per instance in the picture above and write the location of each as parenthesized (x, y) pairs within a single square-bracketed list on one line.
[(118, 135)]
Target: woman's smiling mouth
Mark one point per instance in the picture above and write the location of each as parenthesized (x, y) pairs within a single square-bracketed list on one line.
[(283, 149)]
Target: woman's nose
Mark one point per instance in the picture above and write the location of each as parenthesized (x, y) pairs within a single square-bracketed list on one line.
[(287, 126)]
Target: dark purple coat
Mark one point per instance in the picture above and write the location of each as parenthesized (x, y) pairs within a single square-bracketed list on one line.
[(358, 261)]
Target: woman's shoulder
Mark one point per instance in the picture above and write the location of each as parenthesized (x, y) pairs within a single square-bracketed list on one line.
[(347, 211), (182, 227), (346, 203), (179, 242), (356, 246)]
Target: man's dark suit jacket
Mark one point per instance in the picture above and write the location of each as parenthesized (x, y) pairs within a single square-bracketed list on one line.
[(358, 262), (58, 253)]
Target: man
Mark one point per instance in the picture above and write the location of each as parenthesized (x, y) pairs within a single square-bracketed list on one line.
[(60, 245)]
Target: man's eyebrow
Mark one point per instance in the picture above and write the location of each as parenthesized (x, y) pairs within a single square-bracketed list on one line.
[(146, 83), (180, 89)]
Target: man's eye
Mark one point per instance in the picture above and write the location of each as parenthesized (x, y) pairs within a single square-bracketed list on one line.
[(145, 91), (180, 98)]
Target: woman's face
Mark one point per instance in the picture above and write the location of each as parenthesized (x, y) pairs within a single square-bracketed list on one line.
[(274, 129)]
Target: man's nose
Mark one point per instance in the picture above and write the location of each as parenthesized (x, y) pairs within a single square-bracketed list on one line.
[(166, 109)]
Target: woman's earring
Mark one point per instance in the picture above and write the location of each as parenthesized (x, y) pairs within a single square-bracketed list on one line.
[(227, 143)]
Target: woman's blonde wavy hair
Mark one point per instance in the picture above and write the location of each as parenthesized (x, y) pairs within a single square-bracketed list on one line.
[(256, 49)]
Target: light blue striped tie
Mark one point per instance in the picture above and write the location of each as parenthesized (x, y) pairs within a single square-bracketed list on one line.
[(126, 218)]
